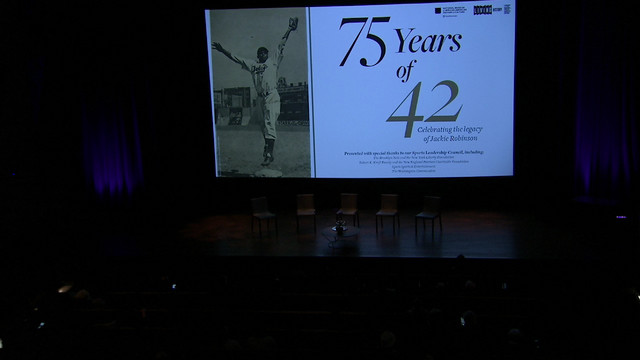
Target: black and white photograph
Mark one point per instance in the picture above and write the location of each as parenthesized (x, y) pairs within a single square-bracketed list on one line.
[(259, 73)]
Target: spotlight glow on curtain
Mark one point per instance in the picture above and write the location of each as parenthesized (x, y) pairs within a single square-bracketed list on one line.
[(112, 151)]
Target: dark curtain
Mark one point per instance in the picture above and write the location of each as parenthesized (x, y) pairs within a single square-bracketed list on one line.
[(607, 155), (112, 90)]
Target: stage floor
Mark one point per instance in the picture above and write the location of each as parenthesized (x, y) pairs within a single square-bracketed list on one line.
[(482, 234)]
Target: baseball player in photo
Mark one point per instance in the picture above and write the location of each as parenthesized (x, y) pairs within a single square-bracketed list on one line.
[(264, 73)]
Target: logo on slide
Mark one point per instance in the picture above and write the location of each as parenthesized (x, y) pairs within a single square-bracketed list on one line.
[(483, 10)]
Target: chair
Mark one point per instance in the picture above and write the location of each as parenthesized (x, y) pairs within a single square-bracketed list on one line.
[(431, 211), (349, 206), (388, 207), (260, 211), (306, 207)]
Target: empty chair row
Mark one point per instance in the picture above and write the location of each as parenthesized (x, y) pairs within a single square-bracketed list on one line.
[(431, 210)]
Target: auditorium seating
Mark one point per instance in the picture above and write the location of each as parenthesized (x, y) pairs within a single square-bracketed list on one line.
[(307, 308)]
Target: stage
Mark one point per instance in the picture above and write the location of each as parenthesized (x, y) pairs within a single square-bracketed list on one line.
[(473, 233), (569, 231)]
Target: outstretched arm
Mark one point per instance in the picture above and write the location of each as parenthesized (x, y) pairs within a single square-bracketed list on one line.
[(293, 25), (217, 46)]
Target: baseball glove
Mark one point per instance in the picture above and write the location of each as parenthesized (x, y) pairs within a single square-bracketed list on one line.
[(293, 23)]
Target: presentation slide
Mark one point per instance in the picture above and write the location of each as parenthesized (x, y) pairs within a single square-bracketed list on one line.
[(380, 91)]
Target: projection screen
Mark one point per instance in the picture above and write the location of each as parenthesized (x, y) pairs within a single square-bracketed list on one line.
[(379, 91)]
